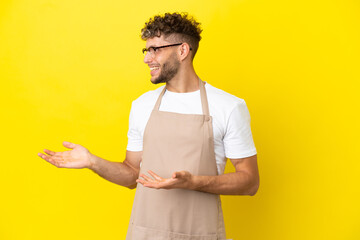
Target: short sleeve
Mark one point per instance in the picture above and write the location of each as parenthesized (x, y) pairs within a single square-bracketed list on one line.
[(135, 140), (238, 140)]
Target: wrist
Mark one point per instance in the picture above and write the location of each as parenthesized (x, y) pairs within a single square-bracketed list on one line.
[(200, 183), (92, 161), (194, 182)]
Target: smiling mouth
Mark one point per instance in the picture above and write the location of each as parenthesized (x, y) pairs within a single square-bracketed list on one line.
[(154, 71)]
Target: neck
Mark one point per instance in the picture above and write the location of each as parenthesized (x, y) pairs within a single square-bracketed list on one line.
[(186, 80)]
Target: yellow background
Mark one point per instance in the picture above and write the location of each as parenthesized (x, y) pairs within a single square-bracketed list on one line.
[(70, 69)]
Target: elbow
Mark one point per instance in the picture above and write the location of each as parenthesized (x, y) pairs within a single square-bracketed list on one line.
[(131, 186), (253, 190), (250, 190)]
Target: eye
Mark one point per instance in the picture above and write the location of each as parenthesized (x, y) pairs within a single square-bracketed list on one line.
[(150, 50)]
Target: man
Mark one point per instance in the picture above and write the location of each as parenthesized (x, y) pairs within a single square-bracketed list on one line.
[(178, 140)]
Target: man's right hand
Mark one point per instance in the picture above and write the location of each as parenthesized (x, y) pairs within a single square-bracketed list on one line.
[(78, 157), (122, 173)]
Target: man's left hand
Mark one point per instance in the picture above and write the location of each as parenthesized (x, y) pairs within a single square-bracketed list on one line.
[(182, 179)]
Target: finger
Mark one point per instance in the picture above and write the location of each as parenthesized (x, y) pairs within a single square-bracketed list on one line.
[(146, 178), (49, 152), (151, 185), (155, 176), (178, 174), (145, 183), (50, 160), (69, 145), (140, 181), (43, 156)]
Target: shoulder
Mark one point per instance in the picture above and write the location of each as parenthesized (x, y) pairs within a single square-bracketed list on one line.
[(221, 99), (148, 98)]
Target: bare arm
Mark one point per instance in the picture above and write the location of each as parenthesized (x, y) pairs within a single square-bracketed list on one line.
[(123, 173), (244, 181)]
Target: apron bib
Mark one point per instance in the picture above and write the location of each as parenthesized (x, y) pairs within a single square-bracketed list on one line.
[(175, 142)]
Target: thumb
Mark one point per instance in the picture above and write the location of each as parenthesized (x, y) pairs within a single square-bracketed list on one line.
[(177, 175), (69, 145)]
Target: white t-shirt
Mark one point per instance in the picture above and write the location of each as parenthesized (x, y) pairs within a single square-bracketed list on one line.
[(231, 120)]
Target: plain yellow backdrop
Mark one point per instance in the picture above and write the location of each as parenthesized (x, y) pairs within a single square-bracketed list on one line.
[(70, 69)]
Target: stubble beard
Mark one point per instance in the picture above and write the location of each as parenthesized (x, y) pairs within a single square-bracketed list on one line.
[(168, 71)]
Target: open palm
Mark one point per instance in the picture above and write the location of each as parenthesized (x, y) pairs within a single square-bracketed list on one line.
[(78, 157), (180, 179)]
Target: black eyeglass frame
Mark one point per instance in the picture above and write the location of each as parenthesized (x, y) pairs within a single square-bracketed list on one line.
[(144, 50)]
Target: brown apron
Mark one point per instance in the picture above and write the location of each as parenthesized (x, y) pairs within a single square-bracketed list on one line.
[(175, 142)]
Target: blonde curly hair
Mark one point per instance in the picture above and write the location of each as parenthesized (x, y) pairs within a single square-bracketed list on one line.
[(180, 26)]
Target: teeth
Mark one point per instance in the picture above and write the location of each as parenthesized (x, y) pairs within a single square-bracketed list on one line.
[(154, 68)]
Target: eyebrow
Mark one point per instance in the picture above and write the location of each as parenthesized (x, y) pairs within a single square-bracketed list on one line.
[(152, 46)]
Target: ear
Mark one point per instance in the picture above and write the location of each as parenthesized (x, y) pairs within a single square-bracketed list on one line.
[(184, 51)]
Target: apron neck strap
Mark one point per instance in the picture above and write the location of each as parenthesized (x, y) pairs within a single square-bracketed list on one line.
[(204, 101)]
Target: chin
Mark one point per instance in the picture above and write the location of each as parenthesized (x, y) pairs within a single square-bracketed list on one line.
[(158, 80), (153, 81)]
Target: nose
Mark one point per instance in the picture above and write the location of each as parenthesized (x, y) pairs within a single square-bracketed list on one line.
[(147, 58)]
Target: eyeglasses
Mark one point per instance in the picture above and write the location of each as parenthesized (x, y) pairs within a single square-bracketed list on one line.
[(153, 50)]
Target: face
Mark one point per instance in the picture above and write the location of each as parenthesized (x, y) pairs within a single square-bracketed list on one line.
[(164, 64)]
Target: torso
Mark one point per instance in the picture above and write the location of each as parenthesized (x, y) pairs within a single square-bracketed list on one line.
[(221, 105)]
